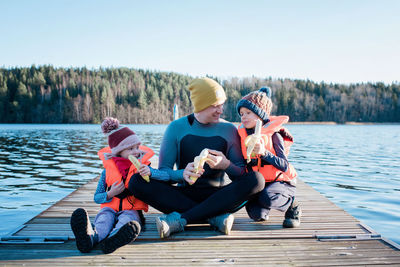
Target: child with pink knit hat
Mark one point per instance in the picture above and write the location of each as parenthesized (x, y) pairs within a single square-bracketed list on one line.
[(121, 217), (269, 158)]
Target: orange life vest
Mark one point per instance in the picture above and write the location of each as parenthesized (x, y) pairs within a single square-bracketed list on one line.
[(269, 172), (113, 175)]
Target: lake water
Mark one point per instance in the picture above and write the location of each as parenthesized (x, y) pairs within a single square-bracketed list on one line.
[(356, 166)]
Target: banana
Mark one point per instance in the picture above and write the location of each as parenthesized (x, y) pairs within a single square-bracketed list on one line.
[(251, 140), (199, 163), (137, 164)]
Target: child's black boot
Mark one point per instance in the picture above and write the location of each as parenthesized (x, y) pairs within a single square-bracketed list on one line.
[(292, 215), (126, 234), (83, 231)]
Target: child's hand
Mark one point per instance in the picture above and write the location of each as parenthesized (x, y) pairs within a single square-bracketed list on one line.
[(115, 189), (144, 170), (259, 148)]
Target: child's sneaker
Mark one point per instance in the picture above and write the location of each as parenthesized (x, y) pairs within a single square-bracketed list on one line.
[(292, 215), (126, 234), (82, 229), (172, 223), (222, 223)]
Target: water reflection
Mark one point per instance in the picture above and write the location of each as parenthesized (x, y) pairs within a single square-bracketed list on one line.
[(356, 166)]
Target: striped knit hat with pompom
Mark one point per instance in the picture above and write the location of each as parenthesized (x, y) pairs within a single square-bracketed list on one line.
[(119, 138), (258, 102)]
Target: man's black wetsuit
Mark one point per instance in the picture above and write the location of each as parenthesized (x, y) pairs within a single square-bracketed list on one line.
[(184, 139)]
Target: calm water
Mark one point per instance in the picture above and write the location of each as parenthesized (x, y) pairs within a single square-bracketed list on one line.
[(356, 167)]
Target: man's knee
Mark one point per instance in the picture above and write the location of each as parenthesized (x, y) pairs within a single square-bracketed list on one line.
[(256, 182)]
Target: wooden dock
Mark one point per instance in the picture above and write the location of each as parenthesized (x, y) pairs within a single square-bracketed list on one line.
[(328, 236)]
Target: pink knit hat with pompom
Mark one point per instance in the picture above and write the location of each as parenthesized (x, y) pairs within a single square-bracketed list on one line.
[(119, 138)]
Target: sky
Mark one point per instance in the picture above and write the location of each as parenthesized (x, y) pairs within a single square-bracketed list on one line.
[(339, 41)]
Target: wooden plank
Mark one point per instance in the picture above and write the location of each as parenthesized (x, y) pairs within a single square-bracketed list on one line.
[(302, 252)]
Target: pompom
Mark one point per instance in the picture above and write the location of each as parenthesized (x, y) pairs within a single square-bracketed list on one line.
[(266, 90), (109, 124)]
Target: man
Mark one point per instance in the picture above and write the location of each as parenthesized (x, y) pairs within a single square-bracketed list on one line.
[(210, 197)]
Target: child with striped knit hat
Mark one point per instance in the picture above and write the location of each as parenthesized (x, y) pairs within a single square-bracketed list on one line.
[(269, 157)]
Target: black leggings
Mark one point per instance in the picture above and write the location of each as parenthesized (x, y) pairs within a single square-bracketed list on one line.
[(196, 204)]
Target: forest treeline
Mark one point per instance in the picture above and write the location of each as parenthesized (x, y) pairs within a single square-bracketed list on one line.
[(46, 94)]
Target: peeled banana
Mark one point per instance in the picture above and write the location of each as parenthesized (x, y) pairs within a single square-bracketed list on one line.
[(137, 164), (199, 163), (251, 140)]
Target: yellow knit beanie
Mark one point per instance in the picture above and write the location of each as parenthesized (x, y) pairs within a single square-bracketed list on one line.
[(205, 92)]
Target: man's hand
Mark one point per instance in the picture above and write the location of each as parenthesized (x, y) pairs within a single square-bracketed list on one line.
[(191, 172), (217, 160)]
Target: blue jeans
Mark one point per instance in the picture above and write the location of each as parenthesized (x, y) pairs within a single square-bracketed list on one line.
[(276, 195), (108, 221)]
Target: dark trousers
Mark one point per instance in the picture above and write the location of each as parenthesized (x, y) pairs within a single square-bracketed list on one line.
[(276, 195), (197, 204)]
